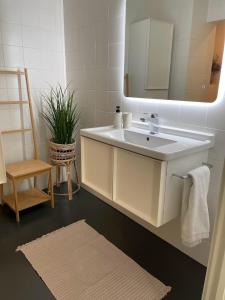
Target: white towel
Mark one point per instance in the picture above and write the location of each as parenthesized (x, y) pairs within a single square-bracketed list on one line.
[(195, 215)]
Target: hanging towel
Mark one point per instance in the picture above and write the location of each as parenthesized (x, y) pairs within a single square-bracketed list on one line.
[(195, 215)]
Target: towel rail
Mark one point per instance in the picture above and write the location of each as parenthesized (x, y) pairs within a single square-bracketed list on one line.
[(188, 176)]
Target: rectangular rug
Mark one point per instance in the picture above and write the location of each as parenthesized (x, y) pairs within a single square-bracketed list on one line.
[(77, 263)]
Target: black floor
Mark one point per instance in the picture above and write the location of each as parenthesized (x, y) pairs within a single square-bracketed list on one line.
[(18, 281)]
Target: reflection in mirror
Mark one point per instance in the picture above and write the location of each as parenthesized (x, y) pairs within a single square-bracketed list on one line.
[(172, 52)]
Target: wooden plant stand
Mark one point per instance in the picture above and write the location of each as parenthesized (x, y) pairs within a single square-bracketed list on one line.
[(64, 156)]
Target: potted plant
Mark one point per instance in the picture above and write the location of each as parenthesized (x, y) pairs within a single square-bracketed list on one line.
[(61, 114)]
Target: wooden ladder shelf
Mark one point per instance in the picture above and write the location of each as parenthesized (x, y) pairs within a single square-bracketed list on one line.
[(19, 171)]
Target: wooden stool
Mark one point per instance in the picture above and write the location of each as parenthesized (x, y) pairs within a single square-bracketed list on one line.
[(20, 171)]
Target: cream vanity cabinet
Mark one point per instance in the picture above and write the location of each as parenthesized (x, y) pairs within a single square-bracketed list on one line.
[(97, 166), (140, 186)]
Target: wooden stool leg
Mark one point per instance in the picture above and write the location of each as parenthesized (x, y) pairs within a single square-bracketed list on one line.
[(49, 184), (50, 189), (76, 174), (1, 194), (35, 182), (58, 175), (69, 181), (16, 201)]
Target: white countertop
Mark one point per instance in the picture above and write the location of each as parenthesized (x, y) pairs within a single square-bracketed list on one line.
[(182, 144)]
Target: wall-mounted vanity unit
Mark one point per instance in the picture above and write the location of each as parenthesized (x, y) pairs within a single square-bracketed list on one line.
[(132, 170)]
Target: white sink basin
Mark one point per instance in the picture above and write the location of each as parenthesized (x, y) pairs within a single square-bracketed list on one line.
[(161, 146), (146, 140), (140, 138)]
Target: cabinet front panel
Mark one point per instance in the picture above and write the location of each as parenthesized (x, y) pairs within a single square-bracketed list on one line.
[(137, 184), (97, 166)]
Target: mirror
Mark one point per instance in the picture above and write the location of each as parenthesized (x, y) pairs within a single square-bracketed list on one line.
[(171, 51)]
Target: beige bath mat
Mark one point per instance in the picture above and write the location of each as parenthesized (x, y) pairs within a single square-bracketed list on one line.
[(76, 262)]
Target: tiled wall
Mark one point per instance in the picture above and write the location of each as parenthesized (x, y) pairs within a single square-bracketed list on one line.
[(94, 35), (32, 36)]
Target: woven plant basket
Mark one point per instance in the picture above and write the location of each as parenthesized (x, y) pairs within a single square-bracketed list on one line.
[(61, 153)]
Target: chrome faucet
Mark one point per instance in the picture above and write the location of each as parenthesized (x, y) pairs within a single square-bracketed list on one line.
[(153, 121)]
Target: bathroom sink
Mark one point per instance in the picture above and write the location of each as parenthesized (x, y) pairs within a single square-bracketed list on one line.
[(146, 140), (140, 138), (165, 145)]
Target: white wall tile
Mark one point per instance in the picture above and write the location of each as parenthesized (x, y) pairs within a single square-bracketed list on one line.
[(114, 99), (102, 54), (114, 82), (116, 8), (13, 56), (10, 11), (11, 34), (101, 100), (1, 56), (216, 10), (218, 152), (99, 10), (214, 190), (190, 115), (32, 58), (115, 34), (131, 106), (48, 40), (168, 111), (102, 32), (12, 82), (30, 12), (31, 37), (3, 94), (103, 118), (115, 55), (146, 107), (101, 78), (216, 117)]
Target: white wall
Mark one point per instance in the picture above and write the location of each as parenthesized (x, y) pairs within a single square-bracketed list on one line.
[(94, 31), (216, 10), (32, 36)]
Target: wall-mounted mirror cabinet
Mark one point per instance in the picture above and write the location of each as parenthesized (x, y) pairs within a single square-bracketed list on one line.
[(171, 51)]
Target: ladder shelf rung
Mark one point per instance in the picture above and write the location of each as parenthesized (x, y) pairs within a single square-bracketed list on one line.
[(14, 102), (10, 72), (16, 130), (20, 101)]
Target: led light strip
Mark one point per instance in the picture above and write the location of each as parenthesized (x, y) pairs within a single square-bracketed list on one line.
[(221, 90)]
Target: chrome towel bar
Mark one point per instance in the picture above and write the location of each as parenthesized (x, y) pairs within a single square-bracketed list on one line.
[(188, 176)]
